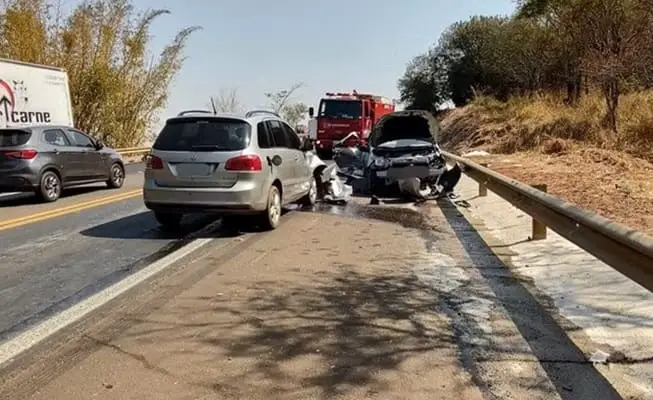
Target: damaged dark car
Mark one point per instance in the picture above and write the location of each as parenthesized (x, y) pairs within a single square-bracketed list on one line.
[(402, 157)]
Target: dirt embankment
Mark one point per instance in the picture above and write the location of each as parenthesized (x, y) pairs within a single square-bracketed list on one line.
[(540, 140)]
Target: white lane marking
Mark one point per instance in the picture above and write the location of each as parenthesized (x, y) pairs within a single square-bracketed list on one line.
[(30, 338)]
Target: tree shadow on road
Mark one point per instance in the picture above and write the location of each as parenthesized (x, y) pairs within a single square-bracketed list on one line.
[(346, 333)]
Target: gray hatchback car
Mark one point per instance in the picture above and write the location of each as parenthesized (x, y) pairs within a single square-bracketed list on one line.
[(227, 164), (46, 159)]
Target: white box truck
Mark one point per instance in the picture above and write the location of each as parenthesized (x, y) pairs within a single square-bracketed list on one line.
[(32, 94)]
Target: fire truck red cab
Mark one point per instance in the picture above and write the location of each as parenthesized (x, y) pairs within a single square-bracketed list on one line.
[(341, 113)]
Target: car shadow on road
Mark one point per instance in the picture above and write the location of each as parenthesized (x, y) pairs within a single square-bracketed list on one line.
[(565, 364), (194, 226), (25, 199), (123, 228)]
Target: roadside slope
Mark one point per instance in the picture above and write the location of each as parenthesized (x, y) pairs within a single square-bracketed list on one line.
[(539, 140)]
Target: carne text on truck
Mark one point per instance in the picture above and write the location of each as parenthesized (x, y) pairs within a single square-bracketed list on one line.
[(32, 94)]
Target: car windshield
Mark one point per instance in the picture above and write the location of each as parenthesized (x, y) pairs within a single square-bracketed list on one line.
[(13, 137), (204, 134), (343, 109)]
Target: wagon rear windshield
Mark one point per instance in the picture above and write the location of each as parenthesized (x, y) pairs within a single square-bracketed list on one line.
[(204, 134)]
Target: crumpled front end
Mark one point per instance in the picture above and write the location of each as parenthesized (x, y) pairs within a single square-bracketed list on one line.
[(331, 187), (406, 155)]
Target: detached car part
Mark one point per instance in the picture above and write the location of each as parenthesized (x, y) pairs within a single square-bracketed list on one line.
[(331, 188)]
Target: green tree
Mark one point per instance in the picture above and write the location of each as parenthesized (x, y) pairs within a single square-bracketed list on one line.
[(424, 85), (117, 88), (282, 102)]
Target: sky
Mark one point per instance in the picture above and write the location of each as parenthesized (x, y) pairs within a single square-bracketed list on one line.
[(259, 46)]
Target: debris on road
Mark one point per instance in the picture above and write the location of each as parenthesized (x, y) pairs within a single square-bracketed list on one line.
[(331, 188), (335, 191), (599, 357)]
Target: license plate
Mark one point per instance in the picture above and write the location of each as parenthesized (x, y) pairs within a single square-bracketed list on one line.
[(408, 172), (194, 169)]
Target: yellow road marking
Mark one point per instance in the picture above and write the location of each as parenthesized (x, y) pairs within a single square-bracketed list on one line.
[(45, 215)]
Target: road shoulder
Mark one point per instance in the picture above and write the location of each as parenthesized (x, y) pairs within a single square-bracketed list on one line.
[(603, 312)]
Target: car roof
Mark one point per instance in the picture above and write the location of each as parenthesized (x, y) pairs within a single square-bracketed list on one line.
[(252, 116), (35, 127)]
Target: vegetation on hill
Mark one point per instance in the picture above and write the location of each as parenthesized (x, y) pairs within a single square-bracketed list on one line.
[(555, 74), (560, 92)]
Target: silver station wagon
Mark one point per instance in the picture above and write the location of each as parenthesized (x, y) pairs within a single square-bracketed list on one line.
[(251, 164)]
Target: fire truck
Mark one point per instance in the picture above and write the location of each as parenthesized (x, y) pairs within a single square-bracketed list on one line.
[(342, 113)]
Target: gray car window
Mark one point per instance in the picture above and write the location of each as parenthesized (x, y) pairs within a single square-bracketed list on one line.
[(56, 137), (293, 139), (264, 141), (204, 134), (79, 139), (278, 134)]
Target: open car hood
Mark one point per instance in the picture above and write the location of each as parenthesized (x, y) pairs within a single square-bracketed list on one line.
[(399, 126), (405, 143)]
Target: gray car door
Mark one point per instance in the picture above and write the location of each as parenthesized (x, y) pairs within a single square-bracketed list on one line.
[(63, 154), (301, 170), (286, 171), (91, 159)]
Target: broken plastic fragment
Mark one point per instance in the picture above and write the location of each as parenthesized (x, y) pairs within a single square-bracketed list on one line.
[(599, 357)]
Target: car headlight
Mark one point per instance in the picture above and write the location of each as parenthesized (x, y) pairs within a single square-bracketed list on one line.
[(380, 162)]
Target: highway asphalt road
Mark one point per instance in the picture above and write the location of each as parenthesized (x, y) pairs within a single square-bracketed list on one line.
[(52, 262), (456, 316), (378, 302)]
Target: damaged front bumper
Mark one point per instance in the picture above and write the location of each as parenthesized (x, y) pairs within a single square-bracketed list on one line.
[(412, 171), (420, 181)]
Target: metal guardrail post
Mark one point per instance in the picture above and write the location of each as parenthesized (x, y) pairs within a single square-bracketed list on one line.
[(539, 229), (482, 185)]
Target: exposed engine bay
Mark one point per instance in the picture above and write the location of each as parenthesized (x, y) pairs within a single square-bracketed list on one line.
[(402, 157)]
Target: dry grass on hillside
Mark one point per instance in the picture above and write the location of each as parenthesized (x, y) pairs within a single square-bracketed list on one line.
[(545, 124), (540, 140)]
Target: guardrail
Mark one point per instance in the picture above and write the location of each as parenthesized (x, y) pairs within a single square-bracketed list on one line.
[(628, 251), (130, 151)]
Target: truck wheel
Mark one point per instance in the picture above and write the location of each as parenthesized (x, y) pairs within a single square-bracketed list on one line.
[(50, 187), (272, 214), (116, 176)]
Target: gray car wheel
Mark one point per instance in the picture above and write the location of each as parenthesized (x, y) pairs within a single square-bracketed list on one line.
[(116, 177), (50, 187)]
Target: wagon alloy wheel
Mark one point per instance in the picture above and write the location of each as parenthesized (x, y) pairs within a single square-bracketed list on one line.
[(275, 207), (272, 214), (50, 188), (117, 177)]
